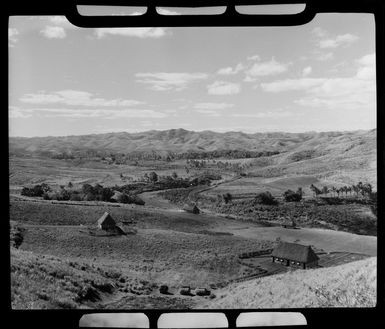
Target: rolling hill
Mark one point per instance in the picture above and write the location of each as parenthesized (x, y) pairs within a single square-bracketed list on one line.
[(181, 140), (338, 157)]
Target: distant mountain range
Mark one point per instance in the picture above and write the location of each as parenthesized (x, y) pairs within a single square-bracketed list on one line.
[(181, 140)]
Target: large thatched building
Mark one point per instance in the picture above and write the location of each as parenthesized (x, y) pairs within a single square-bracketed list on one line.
[(106, 222), (294, 254)]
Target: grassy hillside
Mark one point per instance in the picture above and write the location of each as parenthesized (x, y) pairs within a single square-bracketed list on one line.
[(338, 157), (181, 140), (348, 285)]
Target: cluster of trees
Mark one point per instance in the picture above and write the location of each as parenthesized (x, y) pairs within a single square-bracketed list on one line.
[(227, 154), (86, 193), (265, 198), (36, 191), (366, 190), (134, 156), (291, 196)]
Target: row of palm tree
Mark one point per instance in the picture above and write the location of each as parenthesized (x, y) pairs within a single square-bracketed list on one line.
[(360, 188)]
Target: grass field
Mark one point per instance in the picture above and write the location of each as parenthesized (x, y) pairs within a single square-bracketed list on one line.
[(348, 285)]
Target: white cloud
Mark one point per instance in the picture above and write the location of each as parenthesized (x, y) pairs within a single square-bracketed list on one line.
[(223, 88), (213, 106), (56, 29), (16, 113), (138, 32), (291, 84), (230, 71), (317, 31), (254, 58), (54, 32), (271, 67), (163, 81), (12, 36), (339, 40), (89, 113), (355, 92), (369, 59), (262, 115), (306, 71), (211, 113), (75, 98)]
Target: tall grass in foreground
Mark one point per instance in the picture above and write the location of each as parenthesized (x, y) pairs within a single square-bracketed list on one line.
[(348, 285)]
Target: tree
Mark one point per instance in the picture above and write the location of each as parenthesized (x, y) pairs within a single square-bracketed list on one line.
[(70, 185), (315, 190), (87, 188), (265, 198), (227, 197), (325, 190), (174, 175), (153, 177), (291, 196)]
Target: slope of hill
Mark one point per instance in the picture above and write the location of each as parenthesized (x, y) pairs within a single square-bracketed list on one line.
[(181, 140), (348, 285)]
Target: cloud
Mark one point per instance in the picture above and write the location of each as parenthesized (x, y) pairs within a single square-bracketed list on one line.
[(291, 84), (339, 40), (317, 31), (306, 71), (91, 113), (230, 71), (54, 32), (268, 68), (211, 113), (261, 115), (355, 92), (139, 32), (56, 29), (16, 113), (254, 58), (163, 81), (75, 98), (12, 36), (213, 106), (223, 88)]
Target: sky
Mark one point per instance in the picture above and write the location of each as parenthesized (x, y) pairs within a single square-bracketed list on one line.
[(65, 80)]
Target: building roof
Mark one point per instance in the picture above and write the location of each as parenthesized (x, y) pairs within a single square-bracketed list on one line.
[(106, 219), (295, 252), (191, 208)]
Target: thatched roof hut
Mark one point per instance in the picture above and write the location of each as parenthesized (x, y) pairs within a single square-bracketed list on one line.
[(294, 254), (191, 209), (106, 222)]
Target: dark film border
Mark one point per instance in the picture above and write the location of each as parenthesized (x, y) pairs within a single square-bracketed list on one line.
[(316, 317)]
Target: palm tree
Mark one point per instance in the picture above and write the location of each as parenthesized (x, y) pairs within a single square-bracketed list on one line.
[(325, 190)]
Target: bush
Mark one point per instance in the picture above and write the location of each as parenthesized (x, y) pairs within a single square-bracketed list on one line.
[(35, 191), (291, 196), (75, 197), (265, 198), (227, 197), (136, 200)]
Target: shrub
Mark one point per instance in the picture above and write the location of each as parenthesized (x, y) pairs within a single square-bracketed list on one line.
[(227, 197), (37, 190), (291, 196), (75, 197), (265, 198)]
